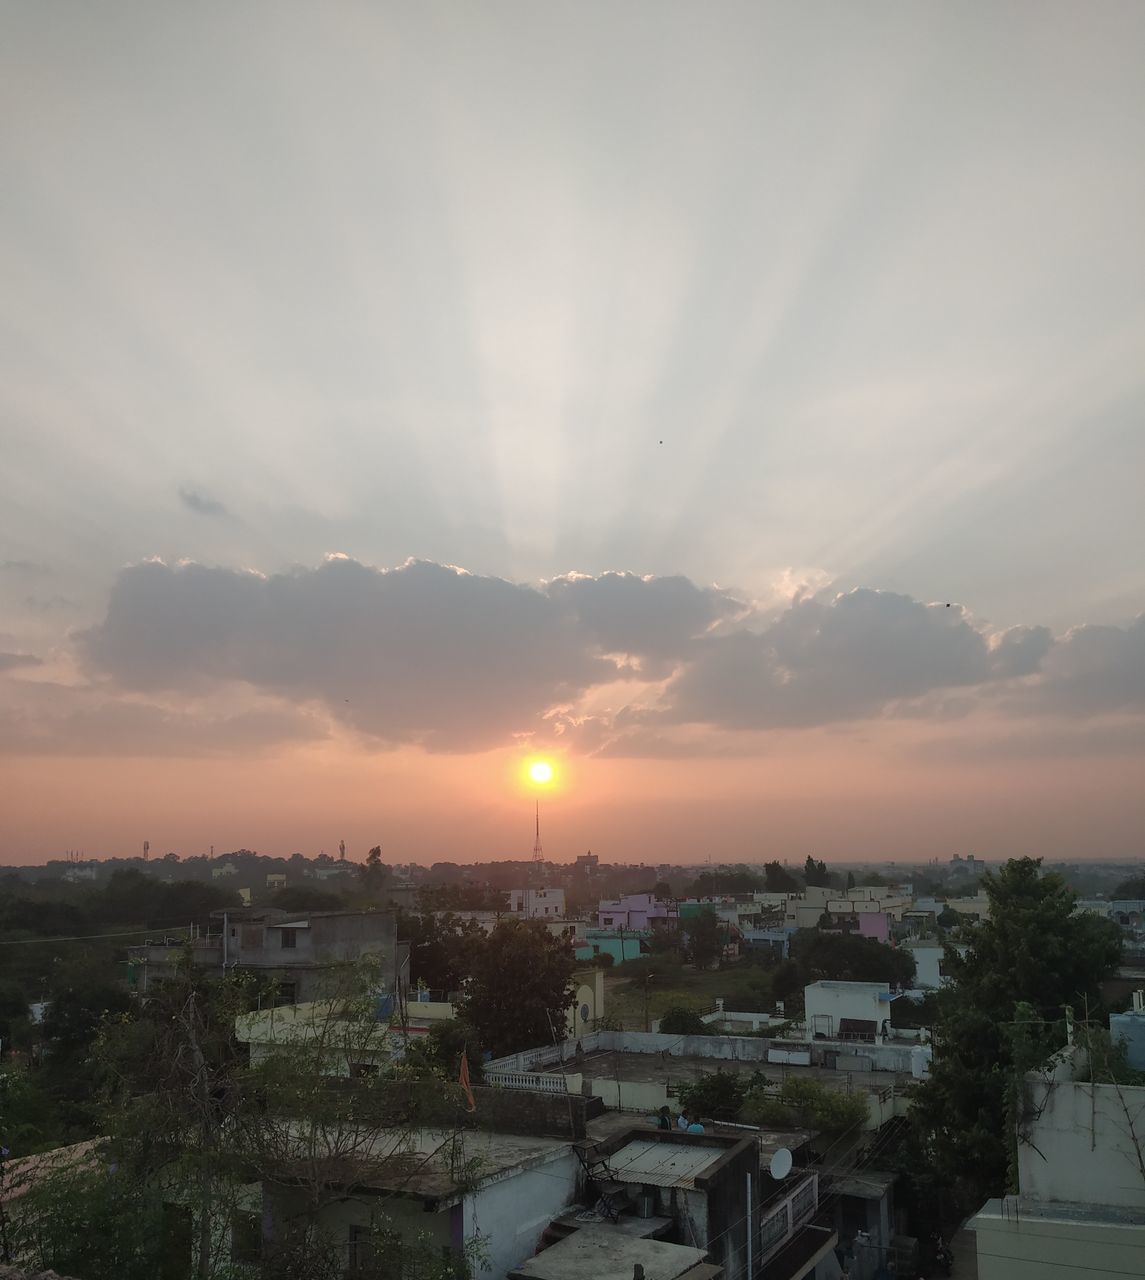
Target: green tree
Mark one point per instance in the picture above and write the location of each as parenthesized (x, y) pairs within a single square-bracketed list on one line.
[(1132, 888), (847, 957), (948, 918), (719, 1095), (682, 1022), (374, 872), (520, 989), (305, 897), (443, 948), (777, 879), (850, 880), (802, 1102), (816, 873), (92, 1223), (704, 941), (1032, 951)]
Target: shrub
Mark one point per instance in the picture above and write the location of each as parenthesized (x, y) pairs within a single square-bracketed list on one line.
[(718, 1096), (682, 1022)]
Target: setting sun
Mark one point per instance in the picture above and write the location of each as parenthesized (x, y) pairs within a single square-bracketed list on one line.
[(540, 772)]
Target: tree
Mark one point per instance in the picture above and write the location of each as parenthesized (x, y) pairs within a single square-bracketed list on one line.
[(850, 880), (704, 939), (843, 957), (683, 1022), (1132, 888), (718, 1095), (305, 897), (948, 918), (520, 989), (1031, 951), (802, 1102), (443, 948), (815, 873), (374, 872), (777, 879)]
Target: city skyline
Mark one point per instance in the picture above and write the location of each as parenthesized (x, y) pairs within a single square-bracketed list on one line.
[(742, 411)]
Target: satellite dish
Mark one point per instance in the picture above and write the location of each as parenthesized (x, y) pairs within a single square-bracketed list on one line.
[(780, 1165)]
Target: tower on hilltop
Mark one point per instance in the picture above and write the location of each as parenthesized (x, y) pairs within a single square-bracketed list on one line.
[(538, 856)]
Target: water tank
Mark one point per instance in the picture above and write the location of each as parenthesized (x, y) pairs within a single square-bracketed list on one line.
[(1130, 1028)]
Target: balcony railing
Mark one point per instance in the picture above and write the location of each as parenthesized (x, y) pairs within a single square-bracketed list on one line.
[(786, 1216)]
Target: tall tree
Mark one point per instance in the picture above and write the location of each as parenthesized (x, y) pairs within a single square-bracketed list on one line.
[(777, 879), (704, 944), (521, 987), (816, 873), (1034, 952)]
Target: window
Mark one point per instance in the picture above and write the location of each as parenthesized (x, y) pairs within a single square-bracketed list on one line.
[(246, 1237), (288, 937)]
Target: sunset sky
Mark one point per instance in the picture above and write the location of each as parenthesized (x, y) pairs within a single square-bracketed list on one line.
[(740, 406)]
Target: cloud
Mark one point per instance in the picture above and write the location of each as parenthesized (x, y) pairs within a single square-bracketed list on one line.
[(424, 653), (55, 719), (656, 621), (201, 505), (22, 566), (1092, 670), (432, 655), (824, 660), (10, 661)]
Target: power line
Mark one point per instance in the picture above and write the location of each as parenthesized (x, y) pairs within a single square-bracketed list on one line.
[(87, 937)]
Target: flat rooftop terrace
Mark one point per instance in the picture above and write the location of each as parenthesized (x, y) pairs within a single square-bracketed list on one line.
[(647, 1068)]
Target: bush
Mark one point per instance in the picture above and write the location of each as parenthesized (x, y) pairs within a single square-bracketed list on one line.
[(805, 1102), (683, 1022), (718, 1096), (603, 960)]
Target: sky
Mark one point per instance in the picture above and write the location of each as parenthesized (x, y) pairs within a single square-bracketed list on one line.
[(740, 405)]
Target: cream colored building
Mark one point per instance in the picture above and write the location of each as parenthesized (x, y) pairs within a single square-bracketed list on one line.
[(1080, 1211)]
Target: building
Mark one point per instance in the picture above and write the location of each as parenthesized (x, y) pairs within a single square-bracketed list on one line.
[(847, 1010), (609, 942), (276, 880), (1080, 1206), (301, 953), (537, 904), (586, 864), (930, 961), (637, 911)]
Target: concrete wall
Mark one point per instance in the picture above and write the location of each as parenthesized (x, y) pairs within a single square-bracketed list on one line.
[(1083, 1147), (826, 1004), (1017, 1246), (510, 1215)]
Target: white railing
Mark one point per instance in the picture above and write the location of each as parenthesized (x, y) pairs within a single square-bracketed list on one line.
[(781, 1222), (526, 1080)]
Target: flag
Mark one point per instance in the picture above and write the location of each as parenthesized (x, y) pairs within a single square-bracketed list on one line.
[(463, 1080)]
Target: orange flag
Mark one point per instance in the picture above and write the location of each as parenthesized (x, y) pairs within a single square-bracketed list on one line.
[(463, 1080)]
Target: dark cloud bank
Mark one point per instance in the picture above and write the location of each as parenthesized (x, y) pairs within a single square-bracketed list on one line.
[(433, 655)]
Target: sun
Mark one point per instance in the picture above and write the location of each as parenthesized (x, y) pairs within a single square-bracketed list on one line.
[(540, 772)]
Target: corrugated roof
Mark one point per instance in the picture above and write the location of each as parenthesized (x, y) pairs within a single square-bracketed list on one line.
[(662, 1164)]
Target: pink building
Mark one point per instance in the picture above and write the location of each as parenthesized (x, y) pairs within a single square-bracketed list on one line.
[(636, 911)]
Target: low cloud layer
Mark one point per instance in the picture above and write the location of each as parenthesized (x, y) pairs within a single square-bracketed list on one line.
[(200, 504), (433, 655)]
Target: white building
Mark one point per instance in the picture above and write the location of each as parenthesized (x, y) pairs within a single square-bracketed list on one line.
[(538, 904), (929, 961), (846, 1010), (1080, 1210)]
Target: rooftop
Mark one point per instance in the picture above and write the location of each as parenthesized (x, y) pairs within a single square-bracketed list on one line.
[(674, 1070), (602, 1252)]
